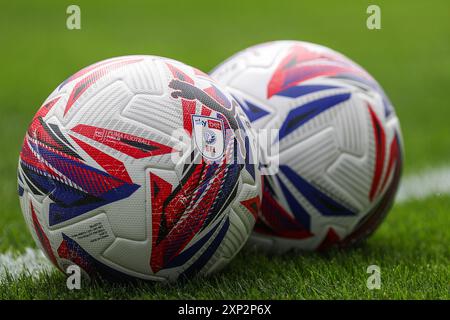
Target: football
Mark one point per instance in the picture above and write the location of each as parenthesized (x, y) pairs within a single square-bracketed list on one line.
[(338, 146), (140, 167)]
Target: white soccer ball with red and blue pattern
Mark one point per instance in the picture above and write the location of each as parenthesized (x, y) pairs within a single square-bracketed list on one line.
[(105, 184), (339, 143)]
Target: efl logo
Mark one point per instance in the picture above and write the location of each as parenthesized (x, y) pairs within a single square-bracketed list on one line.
[(209, 136)]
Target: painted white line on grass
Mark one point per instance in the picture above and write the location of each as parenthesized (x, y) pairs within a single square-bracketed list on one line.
[(423, 185), (416, 187), (32, 262)]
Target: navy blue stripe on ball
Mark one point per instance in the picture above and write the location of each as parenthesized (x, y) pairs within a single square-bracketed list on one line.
[(302, 114), (323, 203)]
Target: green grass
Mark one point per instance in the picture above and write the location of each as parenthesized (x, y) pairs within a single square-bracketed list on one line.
[(413, 257), (410, 56)]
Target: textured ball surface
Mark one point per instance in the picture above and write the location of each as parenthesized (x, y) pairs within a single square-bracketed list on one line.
[(339, 142), (139, 167)]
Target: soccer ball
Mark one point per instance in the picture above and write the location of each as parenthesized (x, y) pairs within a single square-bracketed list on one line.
[(109, 183), (339, 144)]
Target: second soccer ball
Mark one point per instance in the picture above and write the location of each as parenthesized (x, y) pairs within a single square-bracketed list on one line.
[(339, 142)]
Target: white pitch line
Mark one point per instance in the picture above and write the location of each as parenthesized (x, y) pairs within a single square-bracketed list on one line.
[(415, 187), (32, 262), (425, 184)]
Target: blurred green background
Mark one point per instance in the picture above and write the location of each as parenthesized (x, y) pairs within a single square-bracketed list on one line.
[(409, 56)]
